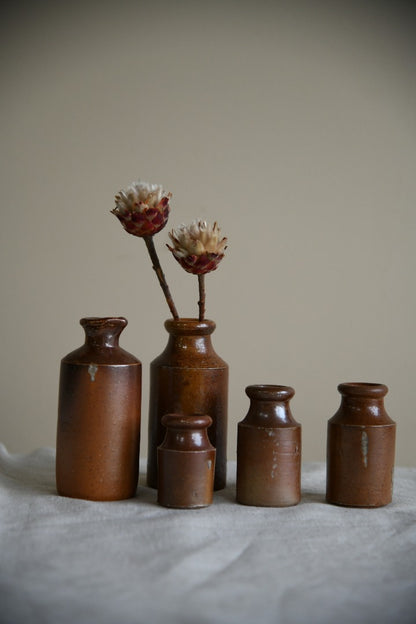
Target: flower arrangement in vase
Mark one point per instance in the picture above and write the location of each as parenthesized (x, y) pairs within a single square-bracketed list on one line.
[(188, 377)]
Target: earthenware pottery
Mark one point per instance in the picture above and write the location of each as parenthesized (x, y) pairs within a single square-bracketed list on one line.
[(98, 437), (360, 448), (269, 449), (186, 462), (189, 378)]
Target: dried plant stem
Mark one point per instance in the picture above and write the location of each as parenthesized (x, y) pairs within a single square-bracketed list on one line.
[(201, 302), (160, 275)]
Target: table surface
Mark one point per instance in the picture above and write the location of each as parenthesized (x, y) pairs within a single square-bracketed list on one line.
[(67, 560)]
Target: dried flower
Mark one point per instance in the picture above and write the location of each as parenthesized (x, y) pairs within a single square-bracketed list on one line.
[(143, 209), (198, 247)]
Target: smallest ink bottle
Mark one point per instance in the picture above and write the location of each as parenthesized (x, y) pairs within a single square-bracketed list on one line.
[(186, 462)]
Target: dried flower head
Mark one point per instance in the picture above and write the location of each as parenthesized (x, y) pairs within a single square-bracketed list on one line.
[(143, 209), (198, 247)]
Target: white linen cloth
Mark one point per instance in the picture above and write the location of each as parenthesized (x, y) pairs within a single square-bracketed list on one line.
[(65, 561)]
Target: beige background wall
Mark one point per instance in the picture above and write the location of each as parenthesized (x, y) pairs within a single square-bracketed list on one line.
[(291, 123)]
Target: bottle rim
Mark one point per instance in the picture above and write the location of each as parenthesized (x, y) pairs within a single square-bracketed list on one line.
[(362, 388), (270, 392), (189, 327), (103, 321)]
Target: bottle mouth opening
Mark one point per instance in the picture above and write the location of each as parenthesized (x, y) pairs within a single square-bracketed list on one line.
[(270, 392), (189, 327), (104, 321), (362, 388)]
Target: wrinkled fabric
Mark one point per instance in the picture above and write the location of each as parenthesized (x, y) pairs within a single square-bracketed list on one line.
[(134, 562)]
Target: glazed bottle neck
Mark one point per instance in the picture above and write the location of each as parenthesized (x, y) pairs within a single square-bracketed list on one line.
[(269, 406), (197, 344), (186, 433), (185, 440), (363, 408), (362, 403), (190, 335), (103, 333), (375, 405), (269, 413), (359, 397)]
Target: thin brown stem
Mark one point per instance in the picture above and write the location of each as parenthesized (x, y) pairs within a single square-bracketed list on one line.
[(201, 302), (160, 275)]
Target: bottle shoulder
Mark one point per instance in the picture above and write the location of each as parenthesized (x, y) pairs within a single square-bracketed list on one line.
[(184, 357), (278, 417), (359, 417), (101, 355)]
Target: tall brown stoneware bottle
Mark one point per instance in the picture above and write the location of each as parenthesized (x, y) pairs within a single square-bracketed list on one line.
[(189, 378), (269, 449), (360, 448), (98, 437)]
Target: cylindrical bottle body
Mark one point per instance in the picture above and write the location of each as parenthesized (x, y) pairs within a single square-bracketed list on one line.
[(189, 378), (98, 433), (269, 450), (268, 466), (360, 449), (187, 478)]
